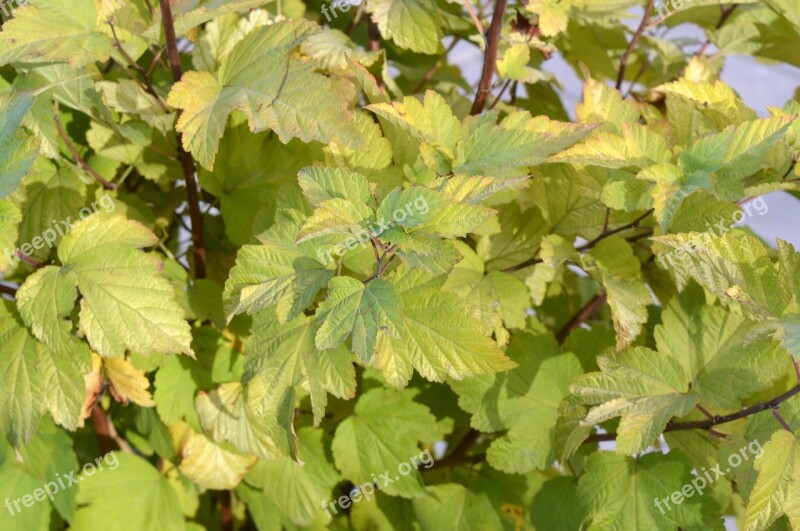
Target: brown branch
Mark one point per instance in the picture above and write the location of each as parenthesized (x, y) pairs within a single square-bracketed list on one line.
[(489, 58), (710, 423), (500, 94), (187, 163), (374, 35), (227, 512), (606, 233), (148, 82), (623, 62), (474, 16), (583, 314), (722, 19), (459, 454), (107, 436), (8, 290), (77, 156), (435, 68), (588, 245)]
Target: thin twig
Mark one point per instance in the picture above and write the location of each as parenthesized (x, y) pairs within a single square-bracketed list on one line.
[(489, 58), (459, 453), (226, 510), (606, 233), (592, 243), (187, 163), (107, 436), (435, 68), (722, 19), (77, 156), (500, 94), (623, 62), (589, 309), (374, 35), (475, 18), (710, 423), (8, 290), (148, 82), (779, 418)]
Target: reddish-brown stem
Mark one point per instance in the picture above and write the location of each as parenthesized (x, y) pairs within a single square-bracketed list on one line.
[(8, 290), (77, 156), (722, 19), (107, 436), (489, 58), (499, 96), (623, 62), (148, 82), (187, 163), (227, 512), (459, 453), (474, 17), (28, 260), (435, 68), (780, 419), (704, 411), (583, 314)]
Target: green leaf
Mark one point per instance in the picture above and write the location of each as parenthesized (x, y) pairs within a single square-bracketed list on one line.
[(411, 24), (735, 267), (619, 492), (736, 152), (106, 504), (452, 506), (518, 141), (208, 464), (275, 273), (334, 50), (638, 147), (523, 401), (295, 488), (22, 388), (262, 79), (285, 355), (227, 415), (431, 121), (776, 490), (643, 387), (51, 31), (437, 338), (391, 425), (17, 150), (612, 261), (321, 184), (363, 310), (126, 304), (726, 356)]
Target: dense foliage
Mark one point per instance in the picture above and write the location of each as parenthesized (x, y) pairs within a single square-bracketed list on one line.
[(279, 265)]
